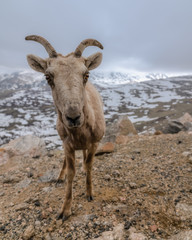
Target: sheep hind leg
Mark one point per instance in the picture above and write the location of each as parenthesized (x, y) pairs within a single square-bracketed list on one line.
[(88, 168), (84, 161), (62, 174)]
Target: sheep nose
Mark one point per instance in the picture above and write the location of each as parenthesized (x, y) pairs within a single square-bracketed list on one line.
[(73, 121)]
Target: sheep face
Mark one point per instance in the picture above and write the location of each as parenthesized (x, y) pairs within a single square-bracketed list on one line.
[(67, 77)]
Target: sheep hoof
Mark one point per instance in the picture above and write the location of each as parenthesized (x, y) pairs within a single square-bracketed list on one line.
[(62, 216), (59, 181), (59, 216), (90, 198)]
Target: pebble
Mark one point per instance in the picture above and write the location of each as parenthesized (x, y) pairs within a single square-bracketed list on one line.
[(50, 209), (50, 229), (153, 228), (80, 206), (186, 154), (116, 173), (2, 194), (37, 223), (11, 204), (132, 185), (107, 177), (190, 160), (47, 189), (116, 234), (48, 237), (44, 215), (24, 183), (127, 225), (184, 211), (29, 232), (21, 206)]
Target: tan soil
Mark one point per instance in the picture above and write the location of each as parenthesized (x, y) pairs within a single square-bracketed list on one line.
[(139, 185)]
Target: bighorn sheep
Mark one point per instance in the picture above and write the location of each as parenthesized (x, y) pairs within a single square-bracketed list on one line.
[(80, 121)]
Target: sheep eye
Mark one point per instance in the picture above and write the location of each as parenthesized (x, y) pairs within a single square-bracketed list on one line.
[(49, 77), (85, 77)]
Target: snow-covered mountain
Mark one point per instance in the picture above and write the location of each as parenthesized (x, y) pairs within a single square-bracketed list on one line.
[(30, 79), (26, 104)]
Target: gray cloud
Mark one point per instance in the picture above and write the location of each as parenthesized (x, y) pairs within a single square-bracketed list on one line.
[(147, 35)]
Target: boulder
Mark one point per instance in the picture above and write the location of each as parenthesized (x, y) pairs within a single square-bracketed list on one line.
[(107, 147), (28, 145), (183, 123), (126, 127), (174, 127), (122, 127), (4, 156), (185, 118)]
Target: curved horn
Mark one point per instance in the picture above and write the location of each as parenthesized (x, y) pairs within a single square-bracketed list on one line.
[(85, 43), (51, 51)]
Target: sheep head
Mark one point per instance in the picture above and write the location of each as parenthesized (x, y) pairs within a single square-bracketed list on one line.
[(67, 77)]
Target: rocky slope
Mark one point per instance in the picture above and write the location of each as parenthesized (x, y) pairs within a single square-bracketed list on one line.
[(150, 100), (143, 190)]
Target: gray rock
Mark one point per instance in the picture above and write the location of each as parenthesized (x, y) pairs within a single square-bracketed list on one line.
[(116, 234), (21, 206), (186, 154), (49, 176), (48, 237), (10, 179), (107, 177), (185, 235), (2, 194), (123, 126), (184, 211), (186, 118), (190, 159), (47, 189), (23, 184), (133, 235), (26, 146), (132, 185), (4, 156)]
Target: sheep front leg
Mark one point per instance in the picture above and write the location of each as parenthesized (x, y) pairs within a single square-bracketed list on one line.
[(88, 163), (70, 167)]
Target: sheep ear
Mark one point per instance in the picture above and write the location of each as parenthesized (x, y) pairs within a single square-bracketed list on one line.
[(93, 61), (37, 63)]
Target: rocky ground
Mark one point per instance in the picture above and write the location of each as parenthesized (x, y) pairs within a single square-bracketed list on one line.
[(143, 190)]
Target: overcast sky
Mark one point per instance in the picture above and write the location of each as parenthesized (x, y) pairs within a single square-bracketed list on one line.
[(141, 35)]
